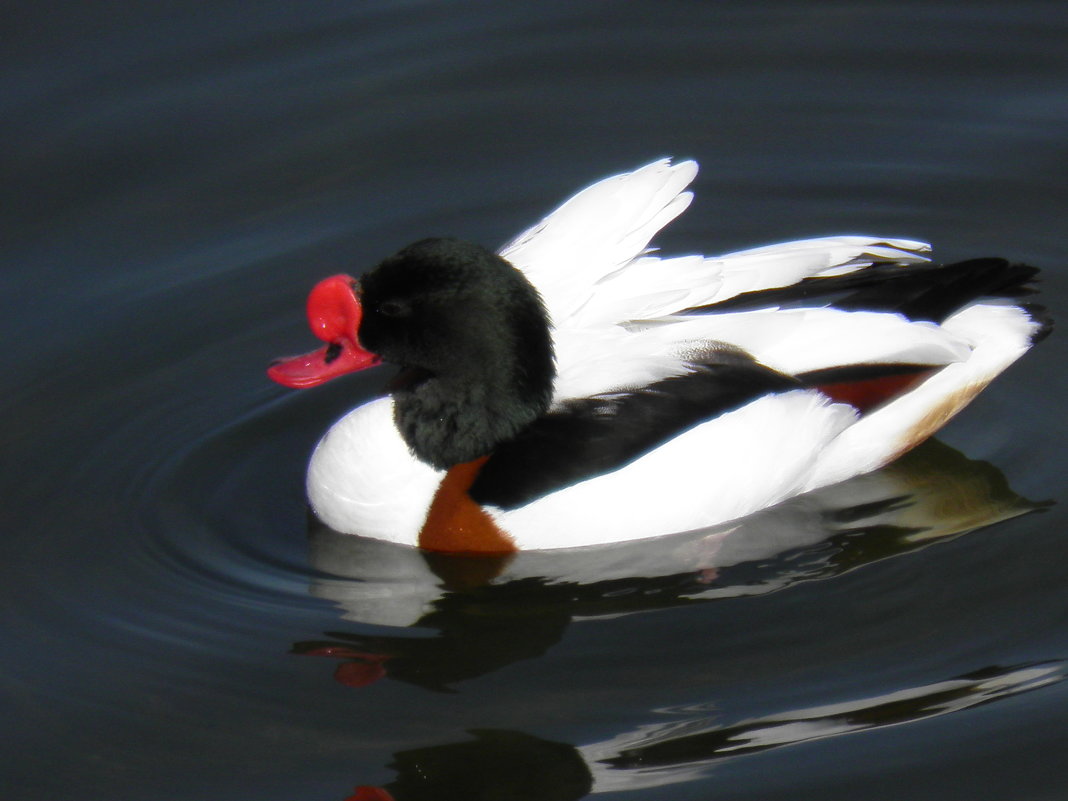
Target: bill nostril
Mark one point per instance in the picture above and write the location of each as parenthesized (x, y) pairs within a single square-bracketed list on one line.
[(332, 352)]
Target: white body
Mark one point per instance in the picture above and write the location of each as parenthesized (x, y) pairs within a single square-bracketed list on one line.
[(612, 306)]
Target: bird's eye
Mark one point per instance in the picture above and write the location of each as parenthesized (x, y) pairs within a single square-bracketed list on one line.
[(393, 308)]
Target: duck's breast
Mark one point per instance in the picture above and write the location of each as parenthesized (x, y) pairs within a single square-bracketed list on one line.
[(364, 480)]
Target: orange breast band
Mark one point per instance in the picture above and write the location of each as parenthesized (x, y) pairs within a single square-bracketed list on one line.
[(456, 524)]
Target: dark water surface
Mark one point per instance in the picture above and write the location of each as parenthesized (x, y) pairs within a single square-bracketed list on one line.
[(178, 174)]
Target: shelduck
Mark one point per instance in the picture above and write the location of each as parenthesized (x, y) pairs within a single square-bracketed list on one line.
[(575, 389)]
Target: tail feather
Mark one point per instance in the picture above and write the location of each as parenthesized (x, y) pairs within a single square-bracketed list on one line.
[(937, 292), (1043, 320)]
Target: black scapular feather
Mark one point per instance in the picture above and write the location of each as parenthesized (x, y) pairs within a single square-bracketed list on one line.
[(592, 436), (919, 292)]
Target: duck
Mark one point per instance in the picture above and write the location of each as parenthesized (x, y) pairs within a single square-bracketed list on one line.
[(575, 388)]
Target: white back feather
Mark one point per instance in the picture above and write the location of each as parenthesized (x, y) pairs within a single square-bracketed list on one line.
[(791, 341)]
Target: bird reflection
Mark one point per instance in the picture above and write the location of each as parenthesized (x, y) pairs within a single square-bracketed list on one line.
[(459, 618), (481, 614), (478, 632), (518, 767)]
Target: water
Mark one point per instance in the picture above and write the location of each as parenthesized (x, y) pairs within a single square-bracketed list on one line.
[(177, 175)]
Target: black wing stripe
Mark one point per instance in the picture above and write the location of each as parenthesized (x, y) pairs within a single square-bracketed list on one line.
[(920, 292), (593, 436)]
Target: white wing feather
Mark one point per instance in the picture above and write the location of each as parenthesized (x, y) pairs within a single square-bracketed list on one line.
[(597, 232), (589, 259), (725, 468)]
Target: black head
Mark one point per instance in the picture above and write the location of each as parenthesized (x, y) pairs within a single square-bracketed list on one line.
[(473, 338)]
